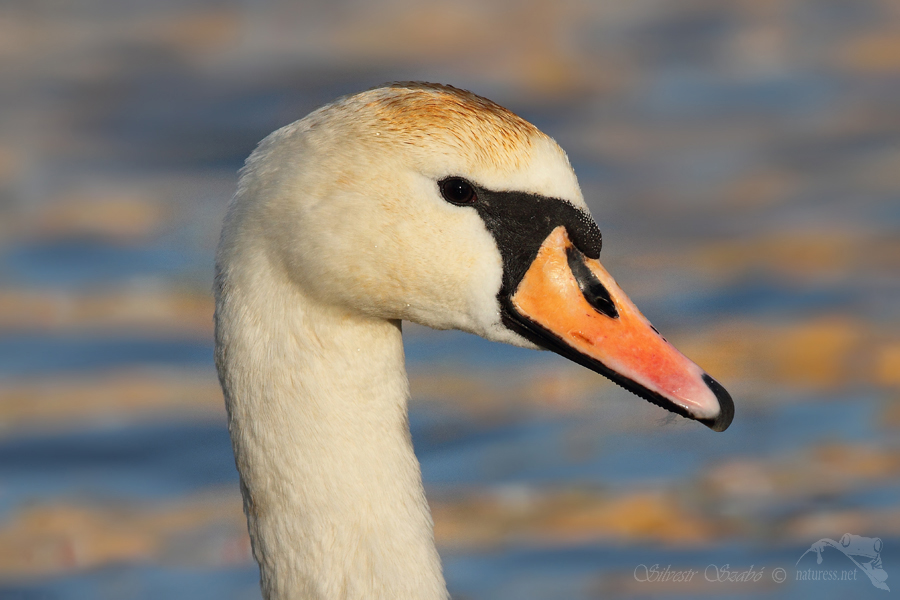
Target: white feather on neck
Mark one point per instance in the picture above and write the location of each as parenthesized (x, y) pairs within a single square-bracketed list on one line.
[(332, 489)]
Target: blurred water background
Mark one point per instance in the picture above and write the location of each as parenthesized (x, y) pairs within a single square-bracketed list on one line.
[(742, 159)]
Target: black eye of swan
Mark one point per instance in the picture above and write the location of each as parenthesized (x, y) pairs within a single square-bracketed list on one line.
[(457, 191)]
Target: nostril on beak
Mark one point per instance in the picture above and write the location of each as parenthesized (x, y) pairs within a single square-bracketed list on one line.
[(591, 288)]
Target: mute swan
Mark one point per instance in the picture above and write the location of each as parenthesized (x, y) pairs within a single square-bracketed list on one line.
[(415, 202)]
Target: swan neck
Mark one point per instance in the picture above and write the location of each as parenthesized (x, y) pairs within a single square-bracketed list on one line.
[(317, 404)]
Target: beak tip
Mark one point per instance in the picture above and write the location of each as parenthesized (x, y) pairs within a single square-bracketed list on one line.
[(726, 406)]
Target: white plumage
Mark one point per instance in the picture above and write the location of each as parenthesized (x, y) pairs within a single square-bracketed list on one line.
[(338, 231)]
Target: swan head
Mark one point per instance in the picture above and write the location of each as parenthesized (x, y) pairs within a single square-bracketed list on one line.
[(431, 204)]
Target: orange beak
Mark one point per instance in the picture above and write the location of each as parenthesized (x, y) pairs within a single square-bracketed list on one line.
[(568, 303)]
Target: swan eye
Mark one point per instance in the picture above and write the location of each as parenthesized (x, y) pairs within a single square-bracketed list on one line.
[(457, 191)]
